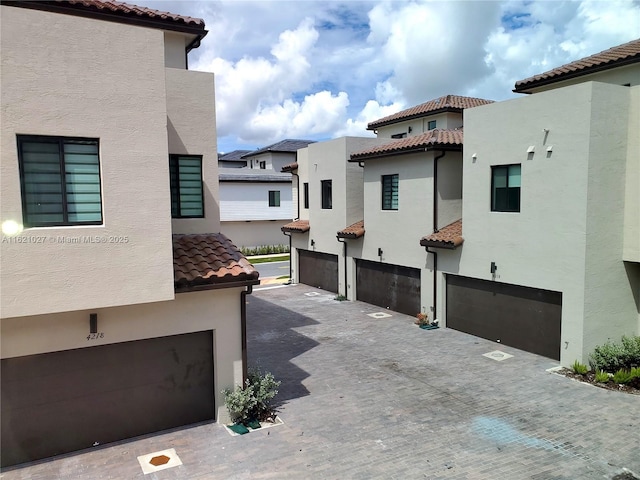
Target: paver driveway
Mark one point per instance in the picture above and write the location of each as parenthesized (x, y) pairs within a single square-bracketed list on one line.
[(371, 397)]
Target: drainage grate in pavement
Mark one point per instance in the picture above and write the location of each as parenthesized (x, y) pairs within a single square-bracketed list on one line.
[(156, 461), (497, 355), (379, 315), (312, 294)]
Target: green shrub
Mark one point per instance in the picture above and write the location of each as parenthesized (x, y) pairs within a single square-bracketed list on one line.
[(612, 357), (253, 402), (579, 368), (635, 372), (264, 250), (622, 376), (340, 298), (602, 377)]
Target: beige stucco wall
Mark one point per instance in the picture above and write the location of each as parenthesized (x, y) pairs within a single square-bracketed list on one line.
[(568, 235), (87, 87), (255, 233), (632, 186), (420, 125), (618, 76), (217, 310), (174, 50), (191, 128)]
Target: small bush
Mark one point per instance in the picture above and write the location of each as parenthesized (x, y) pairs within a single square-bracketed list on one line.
[(612, 357), (264, 250), (422, 319), (602, 377), (622, 376), (340, 298), (579, 368), (635, 373), (253, 402)]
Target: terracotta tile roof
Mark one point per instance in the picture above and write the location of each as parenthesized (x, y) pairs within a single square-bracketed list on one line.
[(209, 259), (625, 54), (431, 140), (112, 10), (290, 167), (448, 103), (353, 231), (447, 237), (297, 226)]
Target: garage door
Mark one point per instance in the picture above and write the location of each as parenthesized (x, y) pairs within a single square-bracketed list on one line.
[(60, 402), (388, 286), (318, 269), (521, 317)]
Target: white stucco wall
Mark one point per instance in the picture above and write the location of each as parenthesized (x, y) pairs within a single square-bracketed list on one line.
[(273, 160), (255, 233), (421, 125), (205, 310), (560, 240), (241, 201), (191, 129), (78, 89)]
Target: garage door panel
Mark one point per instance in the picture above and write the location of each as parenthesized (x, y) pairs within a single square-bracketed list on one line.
[(318, 270), (108, 393), (389, 286), (521, 317)]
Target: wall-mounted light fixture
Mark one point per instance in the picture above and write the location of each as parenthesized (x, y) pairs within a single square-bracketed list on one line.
[(410, 129), (550, 148), (474, 157), (93, 323), (313, 242), (379, 252), (531, 149), (494, 267)]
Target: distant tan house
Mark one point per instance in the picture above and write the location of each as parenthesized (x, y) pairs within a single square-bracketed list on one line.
[(121, 306), (516, 221)]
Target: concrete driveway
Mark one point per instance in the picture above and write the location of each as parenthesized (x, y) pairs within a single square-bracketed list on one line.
[(369, 398)]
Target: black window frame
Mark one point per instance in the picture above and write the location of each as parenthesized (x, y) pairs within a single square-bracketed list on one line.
[(274, 198), (174, 187), (390, 185), (399, 135), (326, 194), (512, 205), (60, 141), (305, 189), (431, 122)]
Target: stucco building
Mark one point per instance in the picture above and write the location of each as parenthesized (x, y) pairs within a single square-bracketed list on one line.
[(122, 307), (516, 221)]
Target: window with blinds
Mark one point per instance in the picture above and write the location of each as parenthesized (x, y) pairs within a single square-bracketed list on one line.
[(390, 192), (185, 179), (274, 198), (60, 181)]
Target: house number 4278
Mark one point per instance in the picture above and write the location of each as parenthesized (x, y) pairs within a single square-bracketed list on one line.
[(95, 336)]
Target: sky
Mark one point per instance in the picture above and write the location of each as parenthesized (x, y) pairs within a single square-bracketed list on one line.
[(324, 69)]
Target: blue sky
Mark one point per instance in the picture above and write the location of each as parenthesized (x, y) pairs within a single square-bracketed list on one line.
[(323, 69)]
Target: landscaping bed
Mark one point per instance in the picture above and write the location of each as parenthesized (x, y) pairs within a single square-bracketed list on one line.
[(632, 387)]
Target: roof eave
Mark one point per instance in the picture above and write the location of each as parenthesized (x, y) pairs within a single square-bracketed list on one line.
[(375, 126), (575, 74), (439, 244), (408, 151), (197, 287)]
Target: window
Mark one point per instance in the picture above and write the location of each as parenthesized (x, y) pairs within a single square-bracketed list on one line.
[(306, 195), (505, 188), (274, 198), (390, 192), (60, 181), (326, 194), (263, 165), (399, 135), (431, 124), (185, 175)]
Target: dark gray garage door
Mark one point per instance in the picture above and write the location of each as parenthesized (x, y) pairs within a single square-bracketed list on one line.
[(64, 401), (388, 286), (318, 269), (521, 317)]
